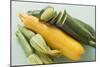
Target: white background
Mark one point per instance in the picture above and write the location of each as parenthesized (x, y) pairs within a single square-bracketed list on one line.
[(5, 33)]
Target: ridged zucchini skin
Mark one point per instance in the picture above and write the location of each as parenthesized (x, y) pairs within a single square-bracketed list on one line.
[(34, 59), (27, 33), (24, 43)]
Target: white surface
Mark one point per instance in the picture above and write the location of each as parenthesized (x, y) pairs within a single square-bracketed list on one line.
[(85, 13), (5, 32)]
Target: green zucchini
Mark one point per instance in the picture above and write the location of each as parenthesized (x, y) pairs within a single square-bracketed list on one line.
[(72, 33), (87, 26), (55, 14), (44, 57), (38, 43), (62, 18), (64, 27), (25, 45), (34, 13), (77, 27), (72, 26), (80, 30), (54, 20), (34, 59), (27, 33), (47, 13)]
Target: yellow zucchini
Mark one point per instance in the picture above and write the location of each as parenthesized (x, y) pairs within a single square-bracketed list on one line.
[(55, 38)]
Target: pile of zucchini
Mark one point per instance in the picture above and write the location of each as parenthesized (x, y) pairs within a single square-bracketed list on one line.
[(76, 28), (35, 47)]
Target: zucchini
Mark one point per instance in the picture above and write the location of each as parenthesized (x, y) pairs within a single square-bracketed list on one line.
[(54, 20), (45, 58), (55, 14), (70, 31), (84, 35), (34, 13), (24, 44), (78, 29), (59, 19), (34, 59), (38, 43), (27, 33), (47, 13), (55, 38), (62, 18), (87, 26)]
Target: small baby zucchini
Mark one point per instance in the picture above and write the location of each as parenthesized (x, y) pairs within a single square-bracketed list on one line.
[(25, 45)]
